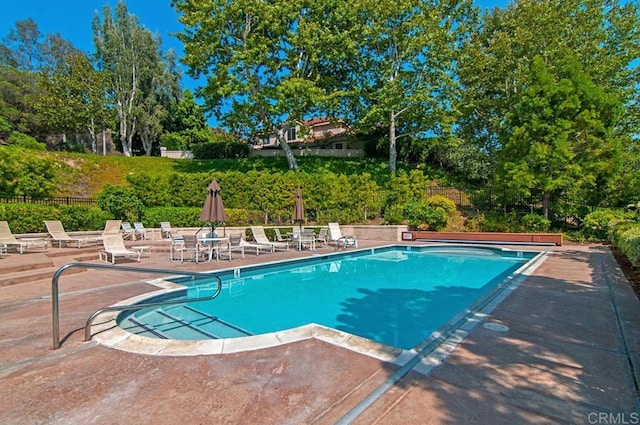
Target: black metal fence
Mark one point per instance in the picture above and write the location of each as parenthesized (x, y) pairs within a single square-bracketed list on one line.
[(62, 200), (487, 199)]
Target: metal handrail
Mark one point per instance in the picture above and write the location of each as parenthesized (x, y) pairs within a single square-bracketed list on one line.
[(61, 270), (135, 307)]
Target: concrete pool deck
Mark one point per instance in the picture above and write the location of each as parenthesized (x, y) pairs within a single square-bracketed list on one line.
[(569, 356)]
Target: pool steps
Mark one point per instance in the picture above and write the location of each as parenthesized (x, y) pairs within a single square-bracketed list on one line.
[(183, 322)]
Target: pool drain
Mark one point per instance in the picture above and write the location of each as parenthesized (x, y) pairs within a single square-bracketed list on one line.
[(497, 327)]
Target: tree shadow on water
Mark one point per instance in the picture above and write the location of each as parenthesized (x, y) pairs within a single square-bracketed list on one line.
[(403, 317)]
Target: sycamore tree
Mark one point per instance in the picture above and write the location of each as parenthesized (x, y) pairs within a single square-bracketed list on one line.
[(561, 136), (268, 65), (406, 69), (130, 57)]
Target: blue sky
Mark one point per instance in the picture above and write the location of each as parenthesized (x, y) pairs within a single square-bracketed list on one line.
[(72, 19)]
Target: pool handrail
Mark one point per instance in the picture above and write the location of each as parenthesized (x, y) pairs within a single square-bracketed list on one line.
[(61, 270)]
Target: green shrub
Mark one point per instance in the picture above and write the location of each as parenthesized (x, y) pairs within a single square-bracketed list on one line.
[(152, 189), (173, 141), (177, 216), (121, 203), (79, 218), (393, 216), (422, 216), (28, 218), (25, 141), (22, 173), (220, 150), (440, 201), (534, 223), (496, 222), (626, 238), (597, 225)]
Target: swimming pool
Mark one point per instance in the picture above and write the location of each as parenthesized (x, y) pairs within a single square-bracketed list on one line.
[(395, 296)]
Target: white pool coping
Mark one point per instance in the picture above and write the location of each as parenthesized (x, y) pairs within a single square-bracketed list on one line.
[(432, 351)]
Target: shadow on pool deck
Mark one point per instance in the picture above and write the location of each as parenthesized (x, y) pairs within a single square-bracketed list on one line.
[(565, 359)]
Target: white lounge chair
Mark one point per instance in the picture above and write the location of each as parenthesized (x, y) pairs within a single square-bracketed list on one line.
[(140, 230), (235, 244), (128, 232), (112, 227), (57, 232), (21, 245), (323, 235), (338, 239), (261, 238), (113, 247), (166, 231)]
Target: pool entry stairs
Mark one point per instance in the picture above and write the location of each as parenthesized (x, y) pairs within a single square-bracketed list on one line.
[(181, 322)]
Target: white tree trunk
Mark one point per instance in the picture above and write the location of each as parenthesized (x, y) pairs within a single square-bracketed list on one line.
[(392, 142)]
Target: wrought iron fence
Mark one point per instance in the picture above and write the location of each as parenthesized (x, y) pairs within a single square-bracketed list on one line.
[(61, 200)]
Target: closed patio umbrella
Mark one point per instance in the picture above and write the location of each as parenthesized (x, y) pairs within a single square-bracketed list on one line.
[(213, 210), (298, 211)]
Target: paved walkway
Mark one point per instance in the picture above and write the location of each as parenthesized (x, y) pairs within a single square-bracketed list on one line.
[(568, 357)]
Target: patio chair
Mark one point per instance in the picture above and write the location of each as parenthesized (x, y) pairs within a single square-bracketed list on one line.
[(140, 230), (58, 234), (166, 231), (111, 227), (188, 247), (235, 244), (338, 239), (21, 245), (261, 238), (128, 232), (307, 238), (113, 247)]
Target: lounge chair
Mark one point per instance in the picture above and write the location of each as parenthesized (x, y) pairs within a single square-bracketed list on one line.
[(140, 230), (113, 247), (338, 239), (323, 235), (280, 238), (21, 245), (166, 231), (261, 238), (128, 232), (233, 241), (111, 227), (58, 234)]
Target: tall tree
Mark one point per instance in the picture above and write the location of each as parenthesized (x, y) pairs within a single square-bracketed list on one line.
[(73, 99), (603, 35), (406, 67), (561, 136), (131, 58), (264, 61)]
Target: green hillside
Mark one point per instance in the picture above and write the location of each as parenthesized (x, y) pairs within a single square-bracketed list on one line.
[(84, 175)]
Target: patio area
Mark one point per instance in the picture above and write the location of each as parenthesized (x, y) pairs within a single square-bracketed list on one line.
[(569, 356)]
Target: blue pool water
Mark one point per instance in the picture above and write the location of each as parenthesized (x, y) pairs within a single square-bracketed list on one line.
[(393, 296)]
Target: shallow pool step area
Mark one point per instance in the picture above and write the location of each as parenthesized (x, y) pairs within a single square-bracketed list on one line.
[(181, 322)]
